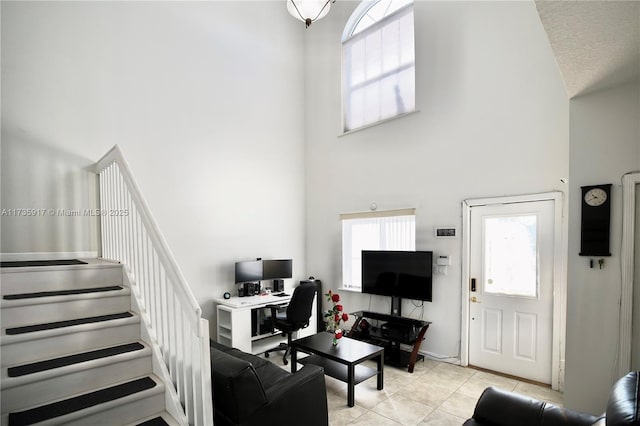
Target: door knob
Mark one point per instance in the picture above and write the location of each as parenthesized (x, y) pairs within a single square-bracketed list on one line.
[(474, 299)]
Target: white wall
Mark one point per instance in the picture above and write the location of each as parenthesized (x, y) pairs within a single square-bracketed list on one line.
[(493, 120), (605, 142), (206, 101)]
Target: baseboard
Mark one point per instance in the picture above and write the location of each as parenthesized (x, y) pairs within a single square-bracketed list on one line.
[(12, 257)]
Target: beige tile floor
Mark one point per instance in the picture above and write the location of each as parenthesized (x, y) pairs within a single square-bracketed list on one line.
[(435, 394)]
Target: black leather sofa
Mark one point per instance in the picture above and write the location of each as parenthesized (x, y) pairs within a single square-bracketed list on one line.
[(500, 408), (249, 390)]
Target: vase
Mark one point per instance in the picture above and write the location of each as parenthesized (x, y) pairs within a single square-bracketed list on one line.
[(337, 335)]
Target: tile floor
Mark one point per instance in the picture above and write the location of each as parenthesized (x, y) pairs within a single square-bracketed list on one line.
[(435, 394)]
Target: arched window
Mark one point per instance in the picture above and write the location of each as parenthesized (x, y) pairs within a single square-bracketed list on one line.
[(378, 63)]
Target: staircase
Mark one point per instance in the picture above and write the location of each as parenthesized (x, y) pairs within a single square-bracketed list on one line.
[(72, 352)]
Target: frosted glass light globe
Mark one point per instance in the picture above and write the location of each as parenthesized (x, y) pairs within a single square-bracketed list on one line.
[(308, 11)]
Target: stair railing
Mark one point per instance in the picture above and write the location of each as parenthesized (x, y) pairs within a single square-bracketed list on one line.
[(130, 235)]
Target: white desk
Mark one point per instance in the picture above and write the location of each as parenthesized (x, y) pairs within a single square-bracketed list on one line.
[(234, 323), (251, 302)]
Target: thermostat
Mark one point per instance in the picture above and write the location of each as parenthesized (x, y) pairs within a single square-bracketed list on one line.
[(446, 232), (442, 263)]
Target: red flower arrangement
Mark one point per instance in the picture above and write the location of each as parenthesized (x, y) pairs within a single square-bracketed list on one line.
[(335, 316)]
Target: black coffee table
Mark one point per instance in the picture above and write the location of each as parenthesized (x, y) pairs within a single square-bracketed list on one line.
[(341, 362)]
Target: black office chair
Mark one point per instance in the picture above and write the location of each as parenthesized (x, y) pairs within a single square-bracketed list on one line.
[(295, 318)]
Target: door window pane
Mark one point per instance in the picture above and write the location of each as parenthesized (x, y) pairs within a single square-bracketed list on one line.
[(511, 255)]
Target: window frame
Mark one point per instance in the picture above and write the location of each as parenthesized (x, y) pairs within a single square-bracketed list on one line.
[(348, 37)]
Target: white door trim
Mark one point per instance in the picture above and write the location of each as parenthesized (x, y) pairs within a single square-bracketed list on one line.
[(629, 182), (559, 276)]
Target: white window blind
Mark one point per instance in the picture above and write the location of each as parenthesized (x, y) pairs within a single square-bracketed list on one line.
[(379, 65), (390, 230)]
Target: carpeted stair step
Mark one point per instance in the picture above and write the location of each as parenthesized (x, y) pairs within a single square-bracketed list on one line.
[(56, 305), (80, 402), (68, 292), (30, 263), (72, 374), (156, 421), (67, 323), (26, 348), (35, 279), (22, 370)]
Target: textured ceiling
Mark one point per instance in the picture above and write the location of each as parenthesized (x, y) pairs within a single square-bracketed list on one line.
[(596, 43)]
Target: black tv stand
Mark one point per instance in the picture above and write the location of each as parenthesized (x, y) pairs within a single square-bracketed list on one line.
[(391, 331)]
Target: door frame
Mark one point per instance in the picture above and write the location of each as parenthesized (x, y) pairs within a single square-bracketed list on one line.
[(560, 260), (629, 182)]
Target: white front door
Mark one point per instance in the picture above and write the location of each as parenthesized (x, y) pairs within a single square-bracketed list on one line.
[(511, 265)]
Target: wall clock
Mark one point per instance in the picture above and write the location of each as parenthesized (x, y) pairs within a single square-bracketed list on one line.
[(596, 219)]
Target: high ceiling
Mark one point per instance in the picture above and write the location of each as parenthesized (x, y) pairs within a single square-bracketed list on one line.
[(596, 43)]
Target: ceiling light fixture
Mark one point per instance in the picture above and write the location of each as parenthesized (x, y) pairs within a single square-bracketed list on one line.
[(309, 11)]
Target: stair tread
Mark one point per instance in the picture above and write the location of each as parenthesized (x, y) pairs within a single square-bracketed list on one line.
[(156, 421), (49, 364), (77, 403), (27, 263), (67, 323), (62, 292)]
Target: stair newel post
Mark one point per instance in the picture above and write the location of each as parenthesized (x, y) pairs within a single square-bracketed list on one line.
[(112, 198), (114, 205)]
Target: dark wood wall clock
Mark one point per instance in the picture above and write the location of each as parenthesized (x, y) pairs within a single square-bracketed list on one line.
[(596, 220)]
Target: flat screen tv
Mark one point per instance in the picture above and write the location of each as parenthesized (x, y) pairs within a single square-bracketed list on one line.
[(403, 274)]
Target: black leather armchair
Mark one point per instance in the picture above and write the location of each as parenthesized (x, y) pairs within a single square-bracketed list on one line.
[(296, 317), (251, 391), (500, 408)]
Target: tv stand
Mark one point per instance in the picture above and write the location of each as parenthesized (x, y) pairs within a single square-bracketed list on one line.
[(390, 331)]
